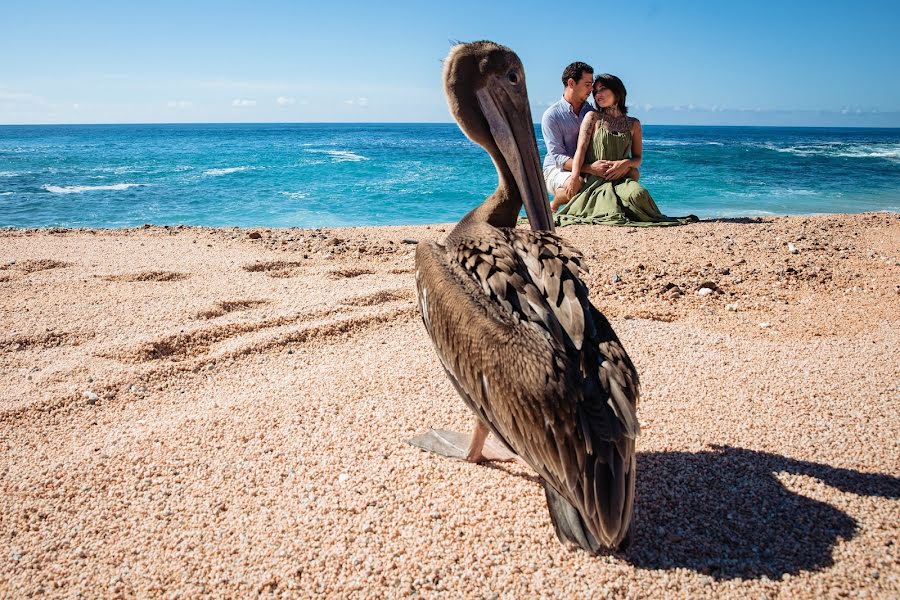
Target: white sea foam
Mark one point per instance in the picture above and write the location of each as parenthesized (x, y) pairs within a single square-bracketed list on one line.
[(772, 192), (9, 174), (295, 195), (840, 150), (6, 193), (115, 170), (225, 171), (77, 189), (652, 142), (664, 143), (339, 155)]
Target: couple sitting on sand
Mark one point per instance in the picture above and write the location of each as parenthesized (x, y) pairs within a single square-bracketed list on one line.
[(602, 145)]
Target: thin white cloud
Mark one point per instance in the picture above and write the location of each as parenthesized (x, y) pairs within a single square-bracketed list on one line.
[(180, 104), (245, 86), (19, 101), (19, 97), (243, 103), (76, 106), (285, 101), (357, 101)]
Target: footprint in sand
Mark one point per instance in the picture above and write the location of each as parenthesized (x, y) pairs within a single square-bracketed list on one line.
[(348, 273), (228, 306), (381, 297), (52, 339), (275, 268), (31, 266), (148, 276)]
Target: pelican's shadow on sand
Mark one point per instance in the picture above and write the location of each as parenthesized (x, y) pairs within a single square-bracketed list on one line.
[(724, 513)]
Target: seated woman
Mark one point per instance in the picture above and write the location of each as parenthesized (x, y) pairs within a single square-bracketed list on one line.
[(614, 139)]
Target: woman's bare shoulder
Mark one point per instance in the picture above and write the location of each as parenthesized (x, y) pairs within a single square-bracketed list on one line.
[(591, 117)]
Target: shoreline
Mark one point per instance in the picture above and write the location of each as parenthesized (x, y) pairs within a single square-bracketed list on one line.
[(749, 218), (189, 409)]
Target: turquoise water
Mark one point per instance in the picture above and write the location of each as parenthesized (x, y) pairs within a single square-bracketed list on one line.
[(313, 175)]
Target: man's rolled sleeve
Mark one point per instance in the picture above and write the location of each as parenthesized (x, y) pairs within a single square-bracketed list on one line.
[(552, 138)]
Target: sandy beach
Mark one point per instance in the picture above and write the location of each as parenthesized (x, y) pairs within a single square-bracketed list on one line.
[(192, 411)]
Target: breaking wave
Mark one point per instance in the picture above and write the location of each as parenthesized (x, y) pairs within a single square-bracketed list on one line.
[(295, 195), (78, 189), (225, 171), (339, 155)]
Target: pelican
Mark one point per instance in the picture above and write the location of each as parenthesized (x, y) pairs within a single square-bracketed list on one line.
[(511, 322)]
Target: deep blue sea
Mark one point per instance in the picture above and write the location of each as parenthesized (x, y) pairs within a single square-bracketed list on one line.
[(314, 175)]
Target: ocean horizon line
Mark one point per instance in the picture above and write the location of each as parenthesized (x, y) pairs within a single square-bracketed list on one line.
[(424, 123)]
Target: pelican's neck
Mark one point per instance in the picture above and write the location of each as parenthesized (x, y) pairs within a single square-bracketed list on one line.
[(500, 209)]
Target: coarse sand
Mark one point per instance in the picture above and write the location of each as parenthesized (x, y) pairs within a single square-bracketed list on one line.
[(194, 412)]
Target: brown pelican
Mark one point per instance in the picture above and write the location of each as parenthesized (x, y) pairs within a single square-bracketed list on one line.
[(510, 319)]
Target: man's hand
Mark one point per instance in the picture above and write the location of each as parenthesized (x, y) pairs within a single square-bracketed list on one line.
[(617, 170)]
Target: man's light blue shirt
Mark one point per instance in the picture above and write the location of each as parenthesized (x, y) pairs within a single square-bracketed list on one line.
[(560, 126)]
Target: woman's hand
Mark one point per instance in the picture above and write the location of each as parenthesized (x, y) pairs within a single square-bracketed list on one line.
[(618, 169), (598, 168), (573, 186)]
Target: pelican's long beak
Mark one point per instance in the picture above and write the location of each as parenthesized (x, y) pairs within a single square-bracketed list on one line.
[(513, 133)]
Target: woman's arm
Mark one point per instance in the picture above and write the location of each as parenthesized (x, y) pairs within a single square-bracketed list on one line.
[(584, 138), (637, 144)]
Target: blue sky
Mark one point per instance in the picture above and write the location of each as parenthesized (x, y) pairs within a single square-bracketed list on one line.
[(757, 63)]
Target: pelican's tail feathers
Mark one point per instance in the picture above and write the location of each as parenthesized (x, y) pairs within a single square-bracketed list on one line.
[(569, 526)]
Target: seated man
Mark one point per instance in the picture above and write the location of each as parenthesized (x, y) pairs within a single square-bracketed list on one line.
[(560, 126)]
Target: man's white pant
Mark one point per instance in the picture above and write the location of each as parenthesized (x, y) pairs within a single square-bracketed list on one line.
[(556, 178)]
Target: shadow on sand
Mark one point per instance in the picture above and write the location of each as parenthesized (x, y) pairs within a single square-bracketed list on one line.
[(724, 513), (739, 220)]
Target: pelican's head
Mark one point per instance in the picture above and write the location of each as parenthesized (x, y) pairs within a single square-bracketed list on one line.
[(485, 87)]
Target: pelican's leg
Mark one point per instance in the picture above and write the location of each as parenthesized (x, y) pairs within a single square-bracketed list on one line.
[(471, 448), (479, 435)]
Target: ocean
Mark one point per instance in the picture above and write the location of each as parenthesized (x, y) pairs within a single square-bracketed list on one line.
[(318, 175)]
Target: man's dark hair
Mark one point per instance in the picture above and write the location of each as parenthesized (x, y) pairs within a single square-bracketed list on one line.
[(576, 71), (615, 85)]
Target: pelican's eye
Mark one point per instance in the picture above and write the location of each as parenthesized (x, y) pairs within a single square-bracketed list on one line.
[(513, 77)]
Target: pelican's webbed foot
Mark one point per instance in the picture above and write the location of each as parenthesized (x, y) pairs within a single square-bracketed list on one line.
[(474, 448)]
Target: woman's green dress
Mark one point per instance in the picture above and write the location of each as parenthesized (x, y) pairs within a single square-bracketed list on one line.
[(623, 202)]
